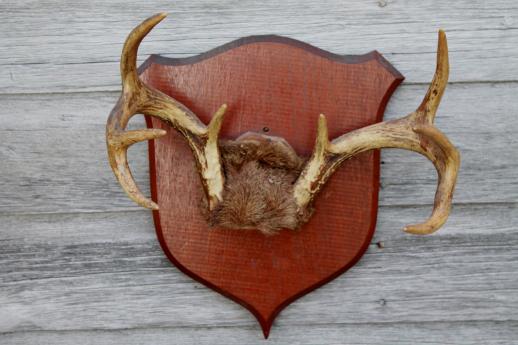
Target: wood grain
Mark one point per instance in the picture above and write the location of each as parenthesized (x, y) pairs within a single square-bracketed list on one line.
[(106, 271), (82, 43), (266, 82), (41, 178), (437, 333), (80, 263)]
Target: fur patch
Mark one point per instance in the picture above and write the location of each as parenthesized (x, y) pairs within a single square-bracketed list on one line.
[(259, 173)]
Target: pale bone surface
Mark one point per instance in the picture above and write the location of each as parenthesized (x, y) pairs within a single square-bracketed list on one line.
[(79, 263)]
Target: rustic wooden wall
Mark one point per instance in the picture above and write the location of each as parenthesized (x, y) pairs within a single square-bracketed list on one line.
[(79, 262)]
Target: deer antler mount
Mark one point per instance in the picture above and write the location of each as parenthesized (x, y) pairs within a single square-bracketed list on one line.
[(258, 181)]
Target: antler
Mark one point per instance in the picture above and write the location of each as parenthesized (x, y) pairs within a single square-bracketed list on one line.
[(414, 132), (136, 98)]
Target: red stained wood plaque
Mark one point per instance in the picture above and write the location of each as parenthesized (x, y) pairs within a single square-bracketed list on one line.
[(277, 85)]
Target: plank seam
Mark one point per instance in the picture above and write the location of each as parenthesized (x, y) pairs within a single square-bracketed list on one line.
[(252, 326), (117, 91)]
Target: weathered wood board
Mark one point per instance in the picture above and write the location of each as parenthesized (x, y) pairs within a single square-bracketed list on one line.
[(82, 42), (79, 263), (40, 178)]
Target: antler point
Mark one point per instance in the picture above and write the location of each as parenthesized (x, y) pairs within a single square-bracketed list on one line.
[(161, 15)]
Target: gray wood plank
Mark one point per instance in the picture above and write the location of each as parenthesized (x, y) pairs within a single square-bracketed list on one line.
[(409, 333), (106, 271), (54, 157), (50, 46), (79, 262), (137, 225)]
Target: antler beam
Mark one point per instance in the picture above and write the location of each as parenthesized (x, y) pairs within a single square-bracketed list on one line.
[(138, 98), (414, 132)]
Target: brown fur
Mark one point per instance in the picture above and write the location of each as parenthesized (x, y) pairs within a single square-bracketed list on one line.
[(259, 174)]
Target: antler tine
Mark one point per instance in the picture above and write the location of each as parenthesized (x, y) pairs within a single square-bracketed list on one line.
[(446, 159), (428, 107), (414, 132), (136, 98), (128, 64)]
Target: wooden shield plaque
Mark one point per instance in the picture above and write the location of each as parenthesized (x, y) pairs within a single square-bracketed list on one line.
[(280, 86)]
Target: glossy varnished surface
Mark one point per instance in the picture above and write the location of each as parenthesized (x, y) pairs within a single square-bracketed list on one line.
[(280, 86)]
